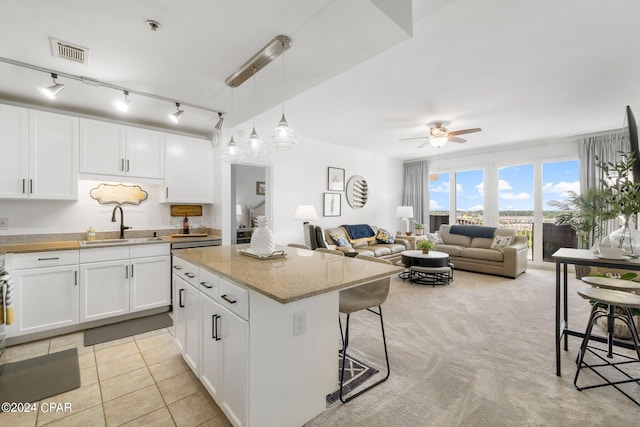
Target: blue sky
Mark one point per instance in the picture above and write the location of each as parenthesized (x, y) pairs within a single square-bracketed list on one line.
[(515, 187)]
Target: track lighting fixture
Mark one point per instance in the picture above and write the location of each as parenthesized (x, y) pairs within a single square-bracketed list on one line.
[(123, 105), (217, 130), (175, 117), (52, 91)]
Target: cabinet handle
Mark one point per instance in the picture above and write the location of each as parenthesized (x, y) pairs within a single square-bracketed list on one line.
[(127, 166), (122, 165), (224, 297), (166, 192), (190, 275), (126, 271), (180, 302), (75, 278), (215, 323), (206, 285), (48, 259), (131, 270), (177, 267), (24, 183), (30, 186), (213, 326)]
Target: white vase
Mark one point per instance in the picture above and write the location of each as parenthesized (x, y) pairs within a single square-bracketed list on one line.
[(262, 238)]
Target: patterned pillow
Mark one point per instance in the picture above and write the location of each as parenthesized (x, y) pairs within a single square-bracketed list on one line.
[(435, 238), (500, 242), (384, 236), (340, 240)]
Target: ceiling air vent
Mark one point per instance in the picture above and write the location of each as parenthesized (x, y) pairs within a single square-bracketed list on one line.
[(69, 51)]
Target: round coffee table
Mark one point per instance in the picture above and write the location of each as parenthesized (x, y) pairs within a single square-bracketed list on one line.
[(429, 269)]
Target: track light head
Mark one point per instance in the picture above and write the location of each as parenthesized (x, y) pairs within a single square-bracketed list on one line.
[(51, 91), (123, 105), (175, 117)]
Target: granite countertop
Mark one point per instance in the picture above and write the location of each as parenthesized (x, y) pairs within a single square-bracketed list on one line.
[(301, 274)]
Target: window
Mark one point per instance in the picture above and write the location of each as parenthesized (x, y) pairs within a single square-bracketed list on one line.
[(469, 197), (557, 179), (439, 200), (515, 198)]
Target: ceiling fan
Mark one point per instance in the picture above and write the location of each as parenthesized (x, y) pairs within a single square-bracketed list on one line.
[(439, 135)]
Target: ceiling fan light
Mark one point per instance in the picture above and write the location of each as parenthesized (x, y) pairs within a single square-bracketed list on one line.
[(282, 137), (438, 141)]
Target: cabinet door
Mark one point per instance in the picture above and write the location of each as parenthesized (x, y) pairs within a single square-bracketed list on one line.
[(104, 290), (192, 326), (210, 346), (188, 170), (53, 156), (102, 147), (179, 311), (235, 380), (149, 283), (45, 298), (145, 153), (14, 134)]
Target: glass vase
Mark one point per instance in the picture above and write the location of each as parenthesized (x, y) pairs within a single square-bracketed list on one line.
[(262, 238), (627, 237)]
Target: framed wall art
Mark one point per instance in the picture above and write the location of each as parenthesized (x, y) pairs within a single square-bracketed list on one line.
[(335, 179), (332, 204), (260, 188)]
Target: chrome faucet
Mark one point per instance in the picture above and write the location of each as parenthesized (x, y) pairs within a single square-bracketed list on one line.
[(113, 219)]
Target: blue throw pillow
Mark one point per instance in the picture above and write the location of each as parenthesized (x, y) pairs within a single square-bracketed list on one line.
[(384, 236), (340, 241)]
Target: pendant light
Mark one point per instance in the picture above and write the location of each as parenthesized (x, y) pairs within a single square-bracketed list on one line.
[(254, 147), (51, 91), (282, 137), (232, 153)]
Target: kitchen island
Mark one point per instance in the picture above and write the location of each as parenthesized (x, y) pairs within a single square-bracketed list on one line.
[(267, 340)]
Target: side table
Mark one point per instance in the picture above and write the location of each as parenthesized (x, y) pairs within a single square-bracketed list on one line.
[(412, 239)]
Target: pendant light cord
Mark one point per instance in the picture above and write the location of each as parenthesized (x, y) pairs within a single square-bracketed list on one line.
[(282, 93)]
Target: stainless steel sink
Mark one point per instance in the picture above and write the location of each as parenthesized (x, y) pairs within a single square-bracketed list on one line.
[(119, 242)]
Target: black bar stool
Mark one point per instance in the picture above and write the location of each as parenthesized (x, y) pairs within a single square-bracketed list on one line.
[(612, 299)]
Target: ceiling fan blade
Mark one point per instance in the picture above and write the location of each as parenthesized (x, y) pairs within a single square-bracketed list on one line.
[(408, 139), (463, 131), (456, 139)]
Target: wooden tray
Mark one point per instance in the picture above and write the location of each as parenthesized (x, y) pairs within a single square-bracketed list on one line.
[(274, 254), (190, 235)]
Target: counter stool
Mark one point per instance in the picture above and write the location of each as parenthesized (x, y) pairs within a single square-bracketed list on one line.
[(612, 299)]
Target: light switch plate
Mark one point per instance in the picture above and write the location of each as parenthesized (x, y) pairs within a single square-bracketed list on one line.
[(4, 223), (299, 323)]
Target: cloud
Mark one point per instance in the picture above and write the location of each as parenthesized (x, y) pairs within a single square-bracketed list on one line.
[(515, 196), (504, 185), (440, 188), (476, 208), (561, 187), (434, 205), (480, 188)]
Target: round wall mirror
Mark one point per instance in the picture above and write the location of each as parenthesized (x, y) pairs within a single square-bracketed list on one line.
[(357, 192)]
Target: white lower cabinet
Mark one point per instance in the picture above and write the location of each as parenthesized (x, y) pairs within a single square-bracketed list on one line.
[(104, 289), (222, 337), (149, 283), (45, 291)]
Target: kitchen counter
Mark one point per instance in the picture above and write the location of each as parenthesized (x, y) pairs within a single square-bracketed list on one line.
[(301, 274)]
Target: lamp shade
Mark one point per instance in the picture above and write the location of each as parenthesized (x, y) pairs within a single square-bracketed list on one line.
[(238, 209), (306, 213), (404, 211)]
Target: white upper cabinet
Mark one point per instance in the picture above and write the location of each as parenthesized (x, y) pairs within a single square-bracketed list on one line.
[(188, 173), (118, 150), (40, 155)]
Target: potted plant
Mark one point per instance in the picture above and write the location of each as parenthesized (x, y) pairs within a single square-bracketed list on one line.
[(425, 245), (419, 229)]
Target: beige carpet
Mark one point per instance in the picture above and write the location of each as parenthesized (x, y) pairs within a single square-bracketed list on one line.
[(479, 352)]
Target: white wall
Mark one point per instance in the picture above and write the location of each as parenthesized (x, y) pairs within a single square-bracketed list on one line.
[(299, 177)]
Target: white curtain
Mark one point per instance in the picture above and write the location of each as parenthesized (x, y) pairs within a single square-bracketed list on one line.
[(605, 147), (416, 186)]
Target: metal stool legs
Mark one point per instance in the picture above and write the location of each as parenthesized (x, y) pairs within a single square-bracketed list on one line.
[(345, 345), (611, 316)]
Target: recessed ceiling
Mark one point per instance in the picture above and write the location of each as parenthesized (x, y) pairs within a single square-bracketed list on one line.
[(355, 74)]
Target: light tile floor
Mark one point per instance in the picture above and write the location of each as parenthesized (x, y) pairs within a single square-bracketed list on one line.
[(135, 381)]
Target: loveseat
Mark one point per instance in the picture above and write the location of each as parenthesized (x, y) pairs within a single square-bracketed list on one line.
[(470, 248), (363, 239)]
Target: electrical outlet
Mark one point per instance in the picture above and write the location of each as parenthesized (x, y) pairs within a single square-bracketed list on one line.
[(4, 223), (299, 323)]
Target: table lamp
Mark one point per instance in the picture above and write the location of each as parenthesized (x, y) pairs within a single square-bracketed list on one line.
[(306, 213), (404, 212), (239, 214)]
